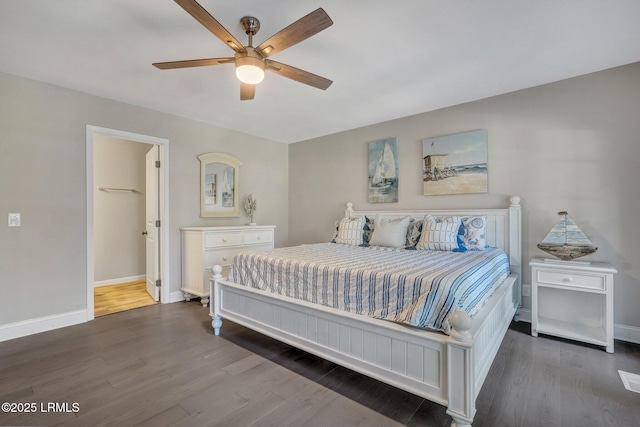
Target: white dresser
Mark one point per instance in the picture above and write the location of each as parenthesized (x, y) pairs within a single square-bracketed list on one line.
[(204, 247), (573, 300)]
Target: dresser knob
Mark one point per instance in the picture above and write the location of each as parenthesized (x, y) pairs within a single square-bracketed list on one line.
[(259, 237), (568, 279), (224, 258), (224, 240)]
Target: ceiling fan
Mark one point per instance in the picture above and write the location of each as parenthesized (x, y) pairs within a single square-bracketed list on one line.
[(251, 62)]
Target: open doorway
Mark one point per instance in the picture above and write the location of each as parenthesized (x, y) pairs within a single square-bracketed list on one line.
[(127, 219)]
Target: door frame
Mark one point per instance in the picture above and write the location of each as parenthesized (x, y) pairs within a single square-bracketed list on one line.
[(163, 146)]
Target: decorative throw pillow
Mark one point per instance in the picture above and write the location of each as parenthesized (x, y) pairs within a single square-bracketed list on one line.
[(368, 230), (449, 218), (454, 219), (390, 232), (413, 233), (351, 231), (475, 232), (335, 232), (439, 236)]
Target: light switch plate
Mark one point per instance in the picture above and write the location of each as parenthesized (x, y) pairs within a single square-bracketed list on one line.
[(14, 220)]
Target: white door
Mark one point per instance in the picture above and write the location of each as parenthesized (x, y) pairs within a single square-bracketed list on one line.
[(151, 215)]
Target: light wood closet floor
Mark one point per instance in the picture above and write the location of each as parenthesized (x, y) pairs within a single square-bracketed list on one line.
[(121, 297), (162, 366)]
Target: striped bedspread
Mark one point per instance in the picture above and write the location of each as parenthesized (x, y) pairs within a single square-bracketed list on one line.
[(420, 288)]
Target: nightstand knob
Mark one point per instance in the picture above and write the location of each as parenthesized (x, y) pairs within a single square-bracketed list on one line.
[(259, 237), (568, 279), (224, 240), (224, 258)]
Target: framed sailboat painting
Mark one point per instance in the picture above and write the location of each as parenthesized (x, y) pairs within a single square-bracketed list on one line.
[(383, 171)]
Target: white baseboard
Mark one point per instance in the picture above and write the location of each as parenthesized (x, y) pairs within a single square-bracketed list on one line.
[(525, 315), (627, 333), (119, 280), (620, 332), (48, 323), (176, 296), (41, 324)]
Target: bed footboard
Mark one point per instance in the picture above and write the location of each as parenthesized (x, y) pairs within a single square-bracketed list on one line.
[(448, 370)]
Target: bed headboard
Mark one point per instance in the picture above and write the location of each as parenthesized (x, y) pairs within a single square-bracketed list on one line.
[(504, 226)]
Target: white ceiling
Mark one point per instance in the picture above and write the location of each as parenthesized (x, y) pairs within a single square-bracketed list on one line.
[(387, 59)]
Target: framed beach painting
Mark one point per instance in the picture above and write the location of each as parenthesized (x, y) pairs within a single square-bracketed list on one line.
[(383, 171), (455, 164)]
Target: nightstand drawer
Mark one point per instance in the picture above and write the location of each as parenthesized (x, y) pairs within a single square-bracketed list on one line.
[(571, 279), (214, 240)]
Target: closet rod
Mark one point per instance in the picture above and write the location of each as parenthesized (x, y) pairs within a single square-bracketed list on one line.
[(133, 190)]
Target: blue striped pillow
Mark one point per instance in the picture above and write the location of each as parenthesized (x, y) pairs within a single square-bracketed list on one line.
[(440, 234), (351, 231)]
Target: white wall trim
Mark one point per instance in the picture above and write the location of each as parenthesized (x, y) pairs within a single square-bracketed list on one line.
[(119, 280), (620, 332), (525, 315), (42, 324), (626, 333), (163, 145), (176, 296)]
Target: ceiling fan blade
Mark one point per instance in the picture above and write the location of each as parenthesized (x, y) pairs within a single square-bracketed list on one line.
[(300, 30), (298, 74), (247, 91), (210, 23), (192, 63)]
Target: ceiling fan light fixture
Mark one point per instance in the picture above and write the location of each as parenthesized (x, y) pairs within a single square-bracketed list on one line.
[(249, 69)]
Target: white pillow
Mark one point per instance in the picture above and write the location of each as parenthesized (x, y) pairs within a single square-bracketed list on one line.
[(390, 232), (438, 236), (351, 231)]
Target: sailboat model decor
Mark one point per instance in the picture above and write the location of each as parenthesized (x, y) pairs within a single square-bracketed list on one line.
[(566, 241)]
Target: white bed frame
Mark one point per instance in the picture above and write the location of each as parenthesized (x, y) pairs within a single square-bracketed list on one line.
[(446, 369)]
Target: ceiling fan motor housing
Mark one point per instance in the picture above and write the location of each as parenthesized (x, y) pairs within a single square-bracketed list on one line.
[(250, 24)]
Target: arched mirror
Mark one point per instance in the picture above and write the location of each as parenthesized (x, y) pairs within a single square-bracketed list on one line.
[(219, 176)]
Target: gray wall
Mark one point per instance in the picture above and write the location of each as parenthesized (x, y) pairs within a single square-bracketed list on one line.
[(573, 145), (119, 217), (42, 176)]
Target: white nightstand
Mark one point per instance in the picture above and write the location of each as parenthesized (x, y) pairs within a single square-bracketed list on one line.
[(573, 299)]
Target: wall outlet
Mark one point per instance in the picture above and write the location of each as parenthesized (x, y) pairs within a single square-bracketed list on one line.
[(14, 220), (526, 290)]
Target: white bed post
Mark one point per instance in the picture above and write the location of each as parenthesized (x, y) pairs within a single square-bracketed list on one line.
[(215, 307), (462, 402), (515, 246)]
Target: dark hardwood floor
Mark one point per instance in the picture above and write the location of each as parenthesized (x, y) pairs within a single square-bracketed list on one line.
[(162, 366)]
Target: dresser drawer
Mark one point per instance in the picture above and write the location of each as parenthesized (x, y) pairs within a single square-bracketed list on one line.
[(217, 240), (222, 257), (258, 237), (571, 279)]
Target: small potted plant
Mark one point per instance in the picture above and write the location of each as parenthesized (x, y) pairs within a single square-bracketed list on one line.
[(250, 206)]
